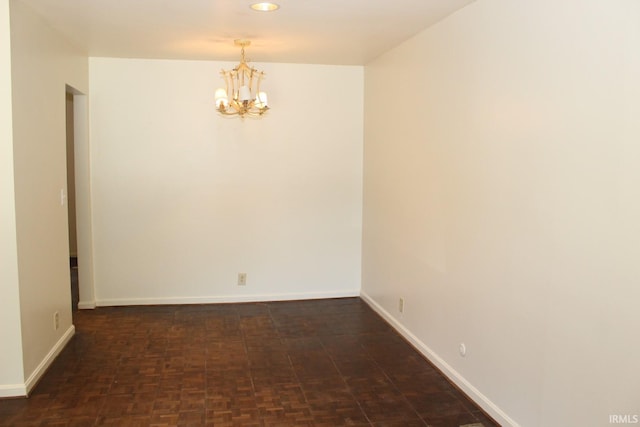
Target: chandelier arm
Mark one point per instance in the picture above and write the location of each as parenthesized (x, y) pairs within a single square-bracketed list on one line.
[(230, 83), (259, 79), (242, 112), (251, 80), (229, 88)]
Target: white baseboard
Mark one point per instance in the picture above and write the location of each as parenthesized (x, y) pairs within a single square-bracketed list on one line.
[(49, 358), (86, 305), (453, 375), (13, 390), (22, 390), (223, 299)]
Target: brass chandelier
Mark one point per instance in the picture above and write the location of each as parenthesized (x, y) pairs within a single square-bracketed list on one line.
[(242, 96)]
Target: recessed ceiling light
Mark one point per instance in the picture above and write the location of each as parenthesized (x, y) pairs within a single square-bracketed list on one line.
[(265, 7)]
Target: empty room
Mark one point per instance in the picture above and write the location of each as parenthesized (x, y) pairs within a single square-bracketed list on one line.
[(230, 213)]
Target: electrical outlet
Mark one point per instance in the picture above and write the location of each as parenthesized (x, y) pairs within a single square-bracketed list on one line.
[(401, 305), (462, 349), (242, 279), (56, 321)]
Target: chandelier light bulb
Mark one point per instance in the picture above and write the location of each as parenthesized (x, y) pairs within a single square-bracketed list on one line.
[(221, 98), (244, 94), (261, 100)]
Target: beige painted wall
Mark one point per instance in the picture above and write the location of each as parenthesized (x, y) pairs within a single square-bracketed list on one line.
[(11, 370), (185, 199), (501, 200), (42, 64)]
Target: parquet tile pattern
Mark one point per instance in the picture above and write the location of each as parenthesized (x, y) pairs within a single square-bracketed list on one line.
[(305, 363)]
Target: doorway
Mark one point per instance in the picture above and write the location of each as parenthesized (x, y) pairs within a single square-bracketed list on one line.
[(71, 202), (79, 200)]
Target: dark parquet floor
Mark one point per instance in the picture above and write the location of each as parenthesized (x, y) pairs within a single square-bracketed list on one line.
[(306, 363)]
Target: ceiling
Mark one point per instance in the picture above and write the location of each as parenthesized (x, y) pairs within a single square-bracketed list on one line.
[(347, 32)]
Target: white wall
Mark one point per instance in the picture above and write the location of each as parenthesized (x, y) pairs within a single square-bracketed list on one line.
[(42, 63), (501, 200), (185, 199), (11, 369), (84, 228)]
